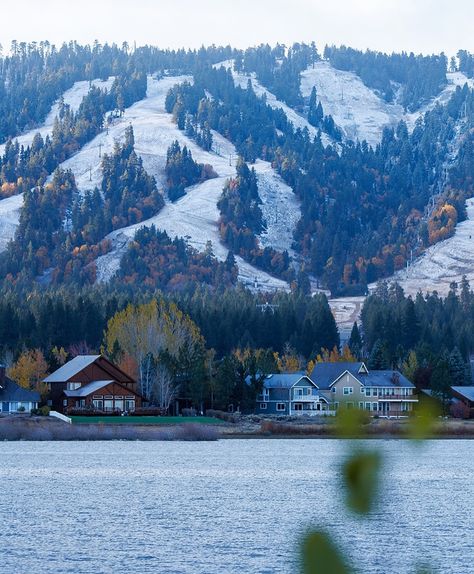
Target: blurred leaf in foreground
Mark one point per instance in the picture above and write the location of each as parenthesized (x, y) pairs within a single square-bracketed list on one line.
[(321, 556), (350, 423), (361, 476), (423, 423)]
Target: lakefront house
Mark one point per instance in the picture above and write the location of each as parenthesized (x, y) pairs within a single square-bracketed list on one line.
[(331, 386), (290, 394), (16, 399), (92, 382)]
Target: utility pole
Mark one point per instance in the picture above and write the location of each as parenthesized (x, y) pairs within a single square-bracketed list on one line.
[(90, 173)]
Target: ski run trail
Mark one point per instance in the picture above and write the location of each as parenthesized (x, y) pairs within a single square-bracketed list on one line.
[(10, 208)]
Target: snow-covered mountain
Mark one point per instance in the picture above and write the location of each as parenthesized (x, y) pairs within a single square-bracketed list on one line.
[(357, 110)]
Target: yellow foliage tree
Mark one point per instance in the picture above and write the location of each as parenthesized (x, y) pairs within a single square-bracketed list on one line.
[(30, 370)]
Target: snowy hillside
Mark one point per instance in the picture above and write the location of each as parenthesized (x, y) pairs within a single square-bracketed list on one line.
[(73, 98), (444, 262), (9, 218), (297, 120), (355, 108), (194, 216), (10, 207)]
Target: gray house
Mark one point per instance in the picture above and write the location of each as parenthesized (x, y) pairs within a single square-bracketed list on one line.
[(290, 394), (352, 385), (15, 399)]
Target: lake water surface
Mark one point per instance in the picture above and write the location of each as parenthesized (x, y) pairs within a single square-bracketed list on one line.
[(233, 506)]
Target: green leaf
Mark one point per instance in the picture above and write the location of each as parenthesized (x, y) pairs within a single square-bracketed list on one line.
[(321, 556), (422, 425), (361, 476)]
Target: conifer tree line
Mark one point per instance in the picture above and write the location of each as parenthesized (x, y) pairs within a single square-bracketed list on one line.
[(420, 77), (429, 338)]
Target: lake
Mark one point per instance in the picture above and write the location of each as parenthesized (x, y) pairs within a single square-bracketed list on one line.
[(233, 506)]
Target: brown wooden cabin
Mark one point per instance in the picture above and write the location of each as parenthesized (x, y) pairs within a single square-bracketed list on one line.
[(465, 395), (92, 382)]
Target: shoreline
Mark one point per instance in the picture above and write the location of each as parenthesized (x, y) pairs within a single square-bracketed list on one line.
[(36, 428)]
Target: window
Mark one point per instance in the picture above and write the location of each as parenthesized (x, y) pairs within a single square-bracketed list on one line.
[(374, 406), (108, 405), (362, 390), (347, 391), (336, 406), (72, 386), (361, 406), (374, 392), (98, 404), (263, 406), (333, 389), (281, 406), (367, 392), (298, 407), (130, 404), (368, 406)]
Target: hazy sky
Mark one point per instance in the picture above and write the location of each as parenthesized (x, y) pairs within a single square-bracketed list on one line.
[(411, 25)]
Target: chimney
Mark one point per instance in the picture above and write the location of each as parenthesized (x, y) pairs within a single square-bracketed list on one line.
[(2, 376)]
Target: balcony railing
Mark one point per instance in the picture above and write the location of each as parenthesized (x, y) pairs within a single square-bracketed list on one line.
[(396, 397), (305, 398)]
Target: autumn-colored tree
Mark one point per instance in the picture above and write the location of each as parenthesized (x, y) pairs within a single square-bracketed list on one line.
[(153, 334), (29, 371), (289, 361), (333, 356)]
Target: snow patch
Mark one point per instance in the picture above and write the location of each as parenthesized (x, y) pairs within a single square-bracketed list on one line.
[(355, 108), (9, 218)]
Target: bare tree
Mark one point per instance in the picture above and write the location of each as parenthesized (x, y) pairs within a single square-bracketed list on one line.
[(164, 389)]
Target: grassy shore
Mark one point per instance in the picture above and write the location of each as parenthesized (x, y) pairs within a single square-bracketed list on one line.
[(26, 427), (145, 420)]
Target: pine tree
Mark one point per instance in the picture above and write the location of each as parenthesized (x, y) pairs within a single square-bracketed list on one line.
[(355, 341), (378, 357)]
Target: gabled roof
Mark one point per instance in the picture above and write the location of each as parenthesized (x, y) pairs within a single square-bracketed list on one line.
[(324, 374), (11, 392), (71, 368), (94, 386), (86, 390), (467, 392), (285, 380)]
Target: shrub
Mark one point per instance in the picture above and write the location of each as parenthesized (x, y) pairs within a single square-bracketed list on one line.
[(44, 411), (228, 417), (189, 412)]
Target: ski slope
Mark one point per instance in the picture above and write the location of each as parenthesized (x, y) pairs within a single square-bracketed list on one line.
[(9, 218), (194, 216), (73, 98), (355, 108), (444, 262), (298, 121), (10, 207)]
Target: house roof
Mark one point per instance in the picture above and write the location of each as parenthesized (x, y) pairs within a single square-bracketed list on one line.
[(11, 392), (71, 368), (86, 390), (283, 380), (385, 379), (324, 374), (467, 392)]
